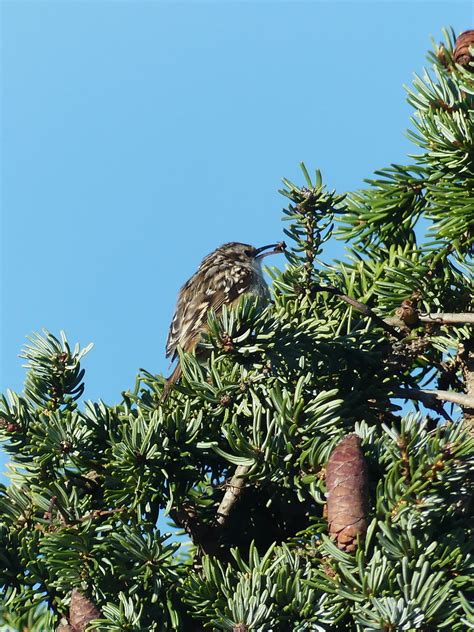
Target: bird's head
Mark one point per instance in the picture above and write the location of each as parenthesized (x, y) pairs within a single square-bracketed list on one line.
[(247, 253)]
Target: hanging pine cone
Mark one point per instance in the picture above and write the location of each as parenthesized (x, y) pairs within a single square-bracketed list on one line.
[(462, 54), (346, 483)]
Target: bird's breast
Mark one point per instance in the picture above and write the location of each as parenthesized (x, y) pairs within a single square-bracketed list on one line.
[(258, 287)]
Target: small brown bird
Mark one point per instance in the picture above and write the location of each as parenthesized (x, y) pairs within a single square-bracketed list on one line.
[(222, 278)]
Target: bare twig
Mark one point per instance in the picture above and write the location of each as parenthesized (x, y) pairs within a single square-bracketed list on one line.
[(362, 308), (427, 399), (101, 513), (435, 318), (433, 395), (466, 355), (49, 514), (448, 319), (233, 490)]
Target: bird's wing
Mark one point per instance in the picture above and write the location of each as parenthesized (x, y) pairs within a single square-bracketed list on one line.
[(180, 318), (207, 289), (233, 284)]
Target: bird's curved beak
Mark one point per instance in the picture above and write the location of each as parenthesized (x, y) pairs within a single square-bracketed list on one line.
[(276, 248)]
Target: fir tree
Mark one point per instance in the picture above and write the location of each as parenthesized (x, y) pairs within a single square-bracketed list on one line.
[(305, 405)]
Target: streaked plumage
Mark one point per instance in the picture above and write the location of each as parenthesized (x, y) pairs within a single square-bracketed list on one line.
[(223, 276)]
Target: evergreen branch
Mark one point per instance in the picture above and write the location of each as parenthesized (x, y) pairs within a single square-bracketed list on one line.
[(233, 490), (294, 384), (432, 396), (55, 376), (362, 308)]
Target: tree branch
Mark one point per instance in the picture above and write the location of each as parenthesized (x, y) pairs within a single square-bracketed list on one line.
[(362, 308), (435, 318), (202, 534), (206, 535), (431, 396), (232, 493), (448, 319), (466, 355)]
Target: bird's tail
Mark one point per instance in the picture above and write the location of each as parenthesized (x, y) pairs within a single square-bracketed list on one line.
[(173, 378)]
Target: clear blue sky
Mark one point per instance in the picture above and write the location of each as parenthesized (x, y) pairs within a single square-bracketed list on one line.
[(138, 136)]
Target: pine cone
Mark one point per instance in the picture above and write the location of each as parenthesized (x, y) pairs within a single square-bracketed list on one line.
[(462, 55), (81, 612), (346, 482)]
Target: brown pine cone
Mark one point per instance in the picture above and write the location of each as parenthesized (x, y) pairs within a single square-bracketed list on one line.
[(346, 483), (461, 54)]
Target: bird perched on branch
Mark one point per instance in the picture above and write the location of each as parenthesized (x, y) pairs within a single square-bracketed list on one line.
[(222, 278)]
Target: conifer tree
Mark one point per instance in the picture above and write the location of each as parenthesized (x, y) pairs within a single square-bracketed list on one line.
[(319, 460)]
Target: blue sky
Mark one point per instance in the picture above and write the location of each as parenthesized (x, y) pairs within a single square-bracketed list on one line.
[(138, 136)]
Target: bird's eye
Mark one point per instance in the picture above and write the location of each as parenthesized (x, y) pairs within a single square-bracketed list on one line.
[(248, 252)]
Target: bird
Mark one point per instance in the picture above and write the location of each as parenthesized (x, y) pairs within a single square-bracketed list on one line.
[(223, 277)]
